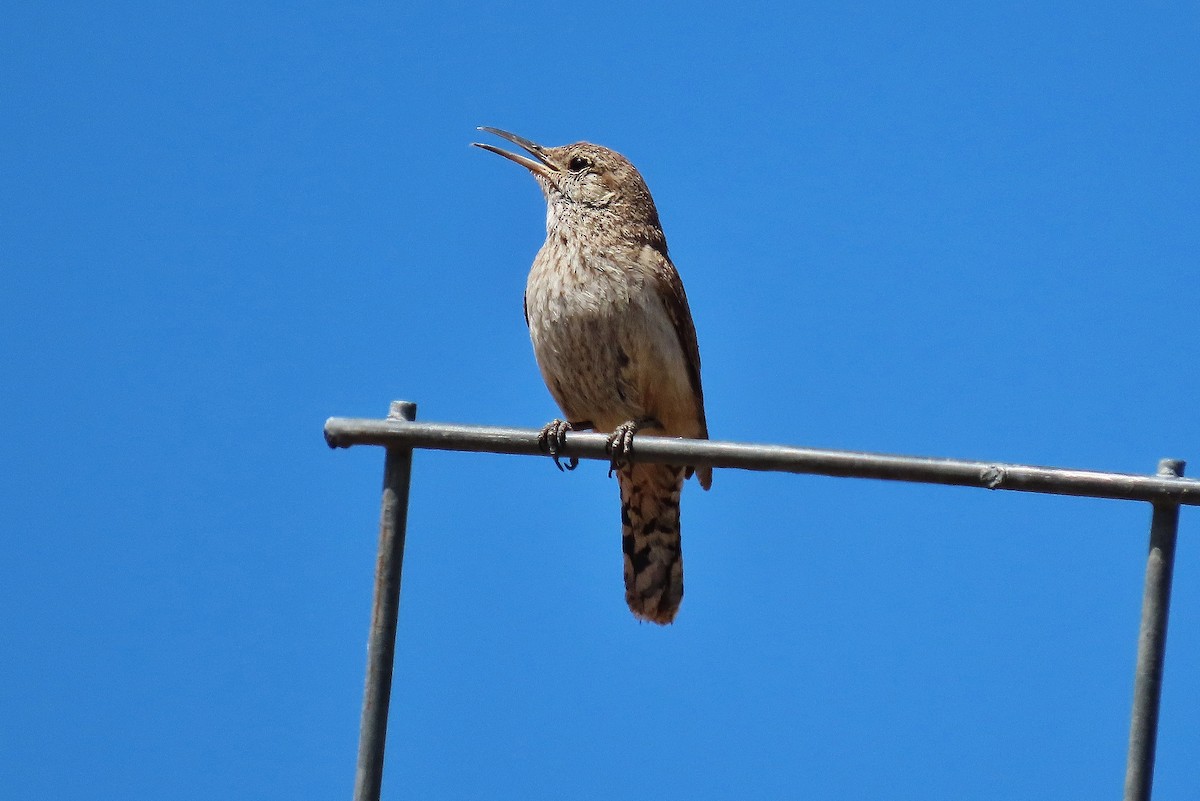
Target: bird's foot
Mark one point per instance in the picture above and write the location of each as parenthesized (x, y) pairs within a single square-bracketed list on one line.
[(620, 441), (553, 438)]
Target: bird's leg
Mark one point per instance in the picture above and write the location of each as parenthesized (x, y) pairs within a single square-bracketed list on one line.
[(620, 441), (554, 436)]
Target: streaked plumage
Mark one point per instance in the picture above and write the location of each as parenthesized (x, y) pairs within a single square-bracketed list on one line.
[(615, 343)]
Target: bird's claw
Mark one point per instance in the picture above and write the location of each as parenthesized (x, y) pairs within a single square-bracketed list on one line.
[(620, 445), (553, 438)]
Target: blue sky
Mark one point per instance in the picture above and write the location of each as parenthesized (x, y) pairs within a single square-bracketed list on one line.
[(965, 230)]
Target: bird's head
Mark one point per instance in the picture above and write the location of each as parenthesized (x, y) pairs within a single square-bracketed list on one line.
[(584, 183)]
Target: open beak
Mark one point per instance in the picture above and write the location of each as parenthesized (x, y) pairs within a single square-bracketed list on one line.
[(544, 166)]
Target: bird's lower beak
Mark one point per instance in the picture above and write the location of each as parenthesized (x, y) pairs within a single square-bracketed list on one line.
[(544, 166)]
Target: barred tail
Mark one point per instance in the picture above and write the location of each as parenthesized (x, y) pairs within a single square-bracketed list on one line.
[(650, 539)]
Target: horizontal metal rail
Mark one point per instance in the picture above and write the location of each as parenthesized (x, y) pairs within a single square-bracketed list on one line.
[(343, 432)]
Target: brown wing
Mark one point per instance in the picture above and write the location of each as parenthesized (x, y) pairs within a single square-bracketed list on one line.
[(675, 299)]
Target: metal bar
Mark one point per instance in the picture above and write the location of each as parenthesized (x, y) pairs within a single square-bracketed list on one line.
[(381, 645), (344, 432), (1152, 643)]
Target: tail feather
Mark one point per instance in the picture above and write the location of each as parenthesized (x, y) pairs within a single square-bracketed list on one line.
[(650, 539)]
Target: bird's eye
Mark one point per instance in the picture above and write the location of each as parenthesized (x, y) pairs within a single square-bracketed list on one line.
[(579, 163)]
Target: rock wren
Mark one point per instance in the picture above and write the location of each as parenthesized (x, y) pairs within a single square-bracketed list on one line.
[(614, 339)]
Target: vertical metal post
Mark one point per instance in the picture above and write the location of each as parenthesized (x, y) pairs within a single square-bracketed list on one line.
[(1152, 643), (381, 645)]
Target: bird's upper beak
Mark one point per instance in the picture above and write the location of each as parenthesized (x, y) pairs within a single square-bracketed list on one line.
[(544, 167)]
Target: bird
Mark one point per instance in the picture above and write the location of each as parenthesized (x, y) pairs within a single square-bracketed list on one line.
[(615, 343)]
